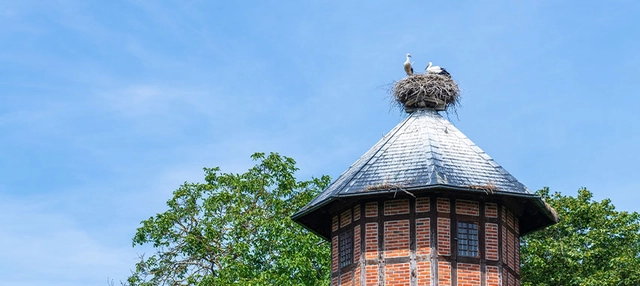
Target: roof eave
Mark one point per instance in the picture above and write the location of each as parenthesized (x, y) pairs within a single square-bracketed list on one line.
[(548, 214)]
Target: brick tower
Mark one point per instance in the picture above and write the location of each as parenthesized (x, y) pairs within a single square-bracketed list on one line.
[(425, 206)]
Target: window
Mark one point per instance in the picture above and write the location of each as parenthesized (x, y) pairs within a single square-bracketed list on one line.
[(346, 248), (468, 239)]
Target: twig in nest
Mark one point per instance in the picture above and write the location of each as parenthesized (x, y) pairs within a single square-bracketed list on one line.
[(388, 186), (489, 188), (426, 90)]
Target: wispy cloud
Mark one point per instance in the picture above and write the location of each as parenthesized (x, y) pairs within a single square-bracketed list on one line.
[(43, 243)]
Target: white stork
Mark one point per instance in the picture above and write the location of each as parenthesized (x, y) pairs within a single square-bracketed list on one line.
[(407, 65), (437, 70)]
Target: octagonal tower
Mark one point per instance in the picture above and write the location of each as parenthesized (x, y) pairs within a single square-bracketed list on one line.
[(425, 206)]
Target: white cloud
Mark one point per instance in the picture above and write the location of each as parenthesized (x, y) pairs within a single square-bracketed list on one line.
[(41, 243)]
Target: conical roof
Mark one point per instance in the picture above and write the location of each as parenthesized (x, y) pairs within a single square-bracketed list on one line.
[(424, 152)]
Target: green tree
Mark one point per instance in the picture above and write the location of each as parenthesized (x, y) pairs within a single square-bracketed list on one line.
[(593, 244), (235, 229)]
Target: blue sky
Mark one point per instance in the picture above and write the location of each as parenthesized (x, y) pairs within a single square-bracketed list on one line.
[(106, 107)]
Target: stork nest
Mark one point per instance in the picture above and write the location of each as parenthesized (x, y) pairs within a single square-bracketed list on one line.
[(426, 90)]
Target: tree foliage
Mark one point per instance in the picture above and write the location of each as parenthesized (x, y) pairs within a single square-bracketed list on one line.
[(235, 229), (593, 244)]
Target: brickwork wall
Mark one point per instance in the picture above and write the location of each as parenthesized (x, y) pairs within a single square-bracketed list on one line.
[(356, 244), (468, 274), (423, 273), (371, 240), (371, 209), (396, 207), (397, 274), (345, 218), (516, 254), (505, 255), (491, 210), (371, 275), (346, 278), (388, 237), (509, 279), (491, 241), (443, 205), (444, 273), (493, 276), (396, 238), (423, 236), (423, 205), (444, 236), (465, 207), (510, 248)]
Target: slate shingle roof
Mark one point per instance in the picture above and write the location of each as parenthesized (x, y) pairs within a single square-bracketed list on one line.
[(424, 151)]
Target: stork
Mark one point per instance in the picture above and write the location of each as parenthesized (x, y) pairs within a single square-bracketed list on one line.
[(437, 70), (407, 65)]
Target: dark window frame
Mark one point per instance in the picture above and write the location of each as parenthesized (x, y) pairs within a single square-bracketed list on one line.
[(345, 248), (468, 238)]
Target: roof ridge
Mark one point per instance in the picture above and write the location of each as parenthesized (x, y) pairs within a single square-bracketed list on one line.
[(438, 163), (344, 179)]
